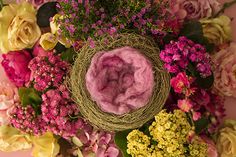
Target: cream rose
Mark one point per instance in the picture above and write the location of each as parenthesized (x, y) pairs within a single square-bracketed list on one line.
[(45, 145), (13, 140), (18, 27), (55, 28), (226, 142), (217, 30), (48, 41), (225, 70)]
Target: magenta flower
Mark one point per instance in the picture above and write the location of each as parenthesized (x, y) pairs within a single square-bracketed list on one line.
[(180, 82), (15, 64), (185, 105), (178, 55)]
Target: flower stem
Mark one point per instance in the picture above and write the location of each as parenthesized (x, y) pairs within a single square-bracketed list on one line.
[(225, 6)]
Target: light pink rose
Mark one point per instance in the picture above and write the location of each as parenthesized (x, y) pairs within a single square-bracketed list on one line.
[(225, 70), (8, 96), (120, 80), (194, 9), (211, 150)]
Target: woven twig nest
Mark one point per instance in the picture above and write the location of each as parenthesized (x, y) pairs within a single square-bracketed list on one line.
[(134, 119)]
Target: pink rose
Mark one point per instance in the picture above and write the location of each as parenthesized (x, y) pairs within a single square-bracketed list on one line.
[(8, 96), (15, 64), (194, 9), (39, 51), (120, 80), (35, 3), (225, 70), (211, 150)]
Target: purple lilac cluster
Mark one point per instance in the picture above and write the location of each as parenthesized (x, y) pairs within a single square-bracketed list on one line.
[(47, 71), (89, 19), (178, 55), (26, 120), (59, 112)]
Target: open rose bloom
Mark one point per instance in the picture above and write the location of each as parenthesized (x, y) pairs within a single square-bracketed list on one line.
[(8, 96), (120, 80)]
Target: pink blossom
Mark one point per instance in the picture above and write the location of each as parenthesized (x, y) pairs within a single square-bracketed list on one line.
[(211, 151), (120, 80), (185, 105), (8, 96), (35, 3), (180, 82), (196, 116), (15, 64)]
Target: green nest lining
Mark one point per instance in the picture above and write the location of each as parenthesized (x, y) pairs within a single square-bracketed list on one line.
[(90, 110)]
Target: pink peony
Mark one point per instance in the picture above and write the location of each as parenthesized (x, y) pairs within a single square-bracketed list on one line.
[(194, 9), (211, 151), (15, 64), (120, 80), (225, 70), (8, 96)]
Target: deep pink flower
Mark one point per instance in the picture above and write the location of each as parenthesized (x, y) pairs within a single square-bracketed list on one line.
[(15, 64), (196, 116), (185, 105), (180, 82)]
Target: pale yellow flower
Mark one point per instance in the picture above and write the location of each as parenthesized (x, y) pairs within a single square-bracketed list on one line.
[(48, 41), (54, 29), (13, 140), (226, 142), (45, 145), (217, 30), (18, 27)]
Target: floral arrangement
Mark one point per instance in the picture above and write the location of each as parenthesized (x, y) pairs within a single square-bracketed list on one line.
[(42, 41)]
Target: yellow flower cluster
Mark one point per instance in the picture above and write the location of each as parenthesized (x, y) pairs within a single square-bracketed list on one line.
[(169, 138), (197, 148)]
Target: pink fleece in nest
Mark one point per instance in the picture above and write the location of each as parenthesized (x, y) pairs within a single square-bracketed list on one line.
[(120, 81)]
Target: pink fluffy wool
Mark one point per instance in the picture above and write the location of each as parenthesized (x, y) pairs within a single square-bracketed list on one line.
[(120, 81)]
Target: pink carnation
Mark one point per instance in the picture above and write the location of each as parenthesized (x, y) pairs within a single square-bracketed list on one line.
[(225, 70), (194, 9), (8, 96), (15, 64), (120, 80)]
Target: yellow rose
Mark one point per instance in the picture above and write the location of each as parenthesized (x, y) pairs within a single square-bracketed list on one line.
[(54, 29), (45, 145), (226, 142), (13, 140), (18, 27), (217, 30), (48, 41)]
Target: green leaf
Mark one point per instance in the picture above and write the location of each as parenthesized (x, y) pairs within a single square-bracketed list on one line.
[(68, 55), (201, 125), (193, 31), (121, 142), (45, 12), (29, 96), (205, 83)]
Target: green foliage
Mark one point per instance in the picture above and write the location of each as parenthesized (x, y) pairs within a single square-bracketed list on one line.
[(45, 12), (201, 125), (29, 96), (193, 31), (68, 55), (121, 142)]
